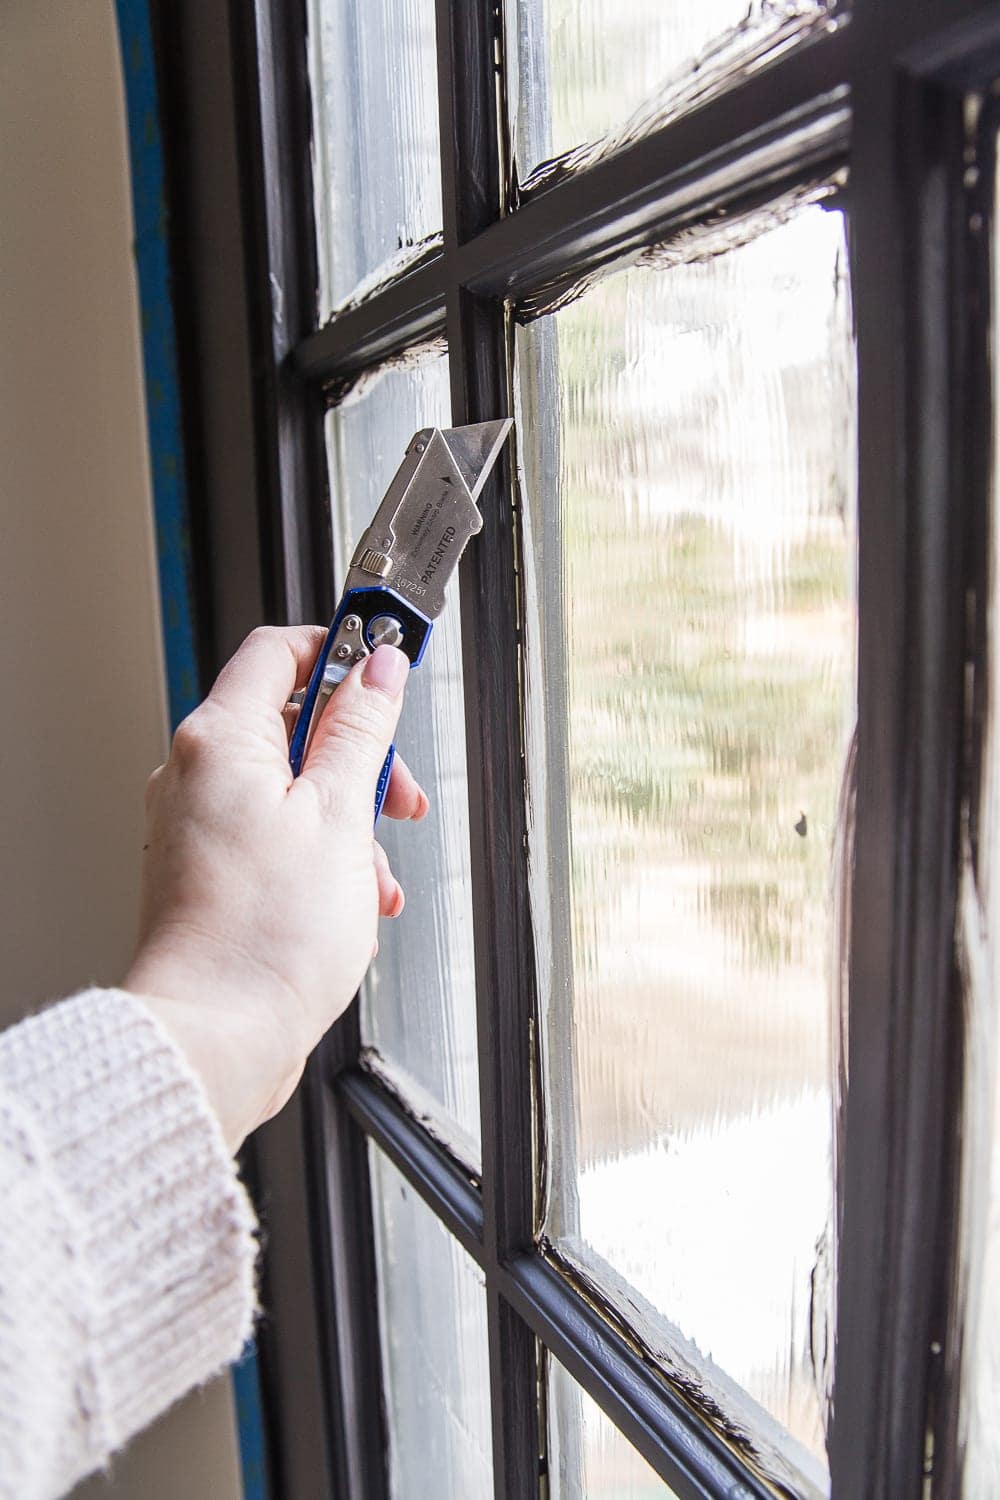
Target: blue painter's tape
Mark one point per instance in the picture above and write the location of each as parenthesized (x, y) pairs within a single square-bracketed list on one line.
[(163, 414), (246, 1389), (173, 537)]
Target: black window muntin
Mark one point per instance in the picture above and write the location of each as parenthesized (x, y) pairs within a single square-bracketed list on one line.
[(903, 73)]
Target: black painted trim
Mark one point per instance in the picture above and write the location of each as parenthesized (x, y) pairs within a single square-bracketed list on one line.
[(442, 1182), (904, 63), (907, 269), (408, 311)]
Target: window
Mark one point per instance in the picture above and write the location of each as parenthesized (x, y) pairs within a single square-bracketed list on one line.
[(654, 1158)]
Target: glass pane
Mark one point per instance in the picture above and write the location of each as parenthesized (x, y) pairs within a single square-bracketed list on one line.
[(435, 1360), (980, 928), (589, 1459), (685, 441), (419, 1000), (377, 174), (610, 71)]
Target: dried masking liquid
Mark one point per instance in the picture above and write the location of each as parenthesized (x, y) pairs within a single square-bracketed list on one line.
[(585, 81)]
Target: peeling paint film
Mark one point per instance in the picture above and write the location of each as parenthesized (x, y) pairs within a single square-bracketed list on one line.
[(585, 81), (685, 437)]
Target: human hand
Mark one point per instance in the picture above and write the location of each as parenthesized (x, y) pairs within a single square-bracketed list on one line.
[(261, 892)]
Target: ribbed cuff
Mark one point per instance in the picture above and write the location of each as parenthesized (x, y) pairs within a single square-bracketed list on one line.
[(163, 1230)]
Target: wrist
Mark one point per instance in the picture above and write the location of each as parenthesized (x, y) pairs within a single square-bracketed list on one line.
[(244, 1052)]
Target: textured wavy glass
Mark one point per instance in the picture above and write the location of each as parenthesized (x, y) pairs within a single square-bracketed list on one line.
[(435, 1360), (376, 167), (981, 1132), (589, 1459), (686, 448), (418, 1002), (612, 70)]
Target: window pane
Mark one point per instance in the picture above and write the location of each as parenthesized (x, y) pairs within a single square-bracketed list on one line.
[(980, 930), (419, 1000), (373, 69), (589, 1459), (685, 443), (612, 70), (435, 1360)]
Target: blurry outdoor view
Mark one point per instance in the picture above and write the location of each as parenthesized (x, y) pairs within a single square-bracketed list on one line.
[(612, 70), (685, 434)]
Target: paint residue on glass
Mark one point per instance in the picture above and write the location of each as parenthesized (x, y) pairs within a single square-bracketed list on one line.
[(686, 465), (376, 166), (405, 261), (347, 390), (588, 1458), (435, 1360), (418, 1000), (585, 81)]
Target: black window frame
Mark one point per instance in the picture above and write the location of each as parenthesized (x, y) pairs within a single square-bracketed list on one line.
[(891, 88)]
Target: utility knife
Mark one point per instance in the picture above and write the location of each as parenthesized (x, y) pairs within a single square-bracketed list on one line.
[(396, 582)]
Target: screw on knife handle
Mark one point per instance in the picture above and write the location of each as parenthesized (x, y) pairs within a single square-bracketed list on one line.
[(365, 619)]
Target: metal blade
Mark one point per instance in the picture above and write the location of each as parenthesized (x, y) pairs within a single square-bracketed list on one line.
[(428, 514), (475, 449)]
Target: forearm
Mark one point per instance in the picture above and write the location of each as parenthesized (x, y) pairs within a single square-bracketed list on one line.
[(126, 1243)]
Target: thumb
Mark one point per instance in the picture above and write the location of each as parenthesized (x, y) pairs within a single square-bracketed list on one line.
[(351, 740)]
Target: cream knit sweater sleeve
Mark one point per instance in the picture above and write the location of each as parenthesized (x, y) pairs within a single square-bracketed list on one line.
[(126, 1240)]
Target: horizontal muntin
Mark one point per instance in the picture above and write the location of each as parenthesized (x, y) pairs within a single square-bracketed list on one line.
[(442, 1182), (736, 144), (409, 311), (673, 1437)]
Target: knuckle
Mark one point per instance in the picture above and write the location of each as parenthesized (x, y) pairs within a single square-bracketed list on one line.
[(262, 640), (334, 800), (152, 784), (262, 635), (359, 719), (346, 749), (192, 740)]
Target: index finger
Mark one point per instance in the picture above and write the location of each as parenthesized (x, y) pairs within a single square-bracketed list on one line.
[(270, 665), (405, 798)]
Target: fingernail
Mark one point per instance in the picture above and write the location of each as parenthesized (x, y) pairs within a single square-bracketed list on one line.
[(423, 807), (386, 669), (400, 900)]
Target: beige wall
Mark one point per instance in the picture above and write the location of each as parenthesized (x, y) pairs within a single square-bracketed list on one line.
[(81, 679)]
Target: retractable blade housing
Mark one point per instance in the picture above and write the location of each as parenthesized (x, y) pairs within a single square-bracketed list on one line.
[(395, 586)]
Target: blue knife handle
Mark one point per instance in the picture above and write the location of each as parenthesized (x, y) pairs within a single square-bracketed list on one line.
[(382, 785), (367, 604)]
